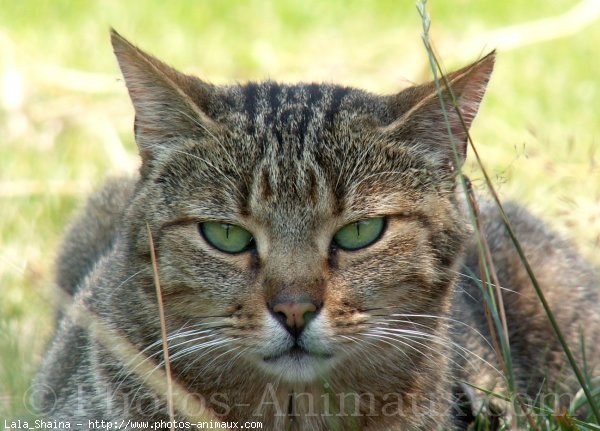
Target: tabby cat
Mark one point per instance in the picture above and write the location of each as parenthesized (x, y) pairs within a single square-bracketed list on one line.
[(315, 260)]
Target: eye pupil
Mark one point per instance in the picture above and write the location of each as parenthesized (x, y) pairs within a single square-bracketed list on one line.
[(226, 237), (360, 234)]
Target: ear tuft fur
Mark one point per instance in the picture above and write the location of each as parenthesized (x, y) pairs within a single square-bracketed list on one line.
[(420, 118)]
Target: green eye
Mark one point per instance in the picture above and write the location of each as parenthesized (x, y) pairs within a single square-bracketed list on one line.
[(359, 234), (226, 237)]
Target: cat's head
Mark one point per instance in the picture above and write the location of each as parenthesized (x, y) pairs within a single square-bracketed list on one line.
[(298, 226)]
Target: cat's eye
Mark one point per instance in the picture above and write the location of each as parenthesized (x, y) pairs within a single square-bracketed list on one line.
[(226, 237), (359, 234)]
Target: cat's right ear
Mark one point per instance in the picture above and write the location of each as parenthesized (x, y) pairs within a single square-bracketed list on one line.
[(169, 105)]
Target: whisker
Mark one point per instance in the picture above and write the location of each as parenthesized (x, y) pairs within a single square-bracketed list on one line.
[(201, 348), (195, 347), (459, 349), (121, 377), (411, 339), (384, 338), (430, 316), (479, 280)]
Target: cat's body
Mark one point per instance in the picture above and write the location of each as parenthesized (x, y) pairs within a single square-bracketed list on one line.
[(295, 329)]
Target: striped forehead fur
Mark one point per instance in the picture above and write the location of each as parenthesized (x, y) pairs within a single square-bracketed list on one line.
[(304, 132)]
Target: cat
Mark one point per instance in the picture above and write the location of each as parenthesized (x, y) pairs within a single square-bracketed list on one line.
[(316, 263)]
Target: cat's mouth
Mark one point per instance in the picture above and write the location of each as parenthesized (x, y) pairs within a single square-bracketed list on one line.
[(296, 353)]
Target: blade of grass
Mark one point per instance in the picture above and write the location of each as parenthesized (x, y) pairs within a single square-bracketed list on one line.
[(489, 262), (487, 267), (527, 266), (437, 67), (163, 328), (537, 409), (136, 361), (504, 358), (473, 211), (139, 364), (580, 400)]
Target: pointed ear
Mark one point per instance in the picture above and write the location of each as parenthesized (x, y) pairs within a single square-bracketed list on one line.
[(168, 104), (420, 118)]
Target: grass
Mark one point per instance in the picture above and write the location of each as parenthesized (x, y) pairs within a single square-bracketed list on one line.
[(494, 307), (66, 121)]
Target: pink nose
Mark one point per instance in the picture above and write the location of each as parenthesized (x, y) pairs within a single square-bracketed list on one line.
[(294, 313)]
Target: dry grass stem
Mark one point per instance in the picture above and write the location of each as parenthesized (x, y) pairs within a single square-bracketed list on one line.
[(139, 364), (186, 403), (163, 327)]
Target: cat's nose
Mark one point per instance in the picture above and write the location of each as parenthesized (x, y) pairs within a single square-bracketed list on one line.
[(294, 315)]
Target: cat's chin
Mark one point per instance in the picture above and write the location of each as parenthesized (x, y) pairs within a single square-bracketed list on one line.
[(297, 365)]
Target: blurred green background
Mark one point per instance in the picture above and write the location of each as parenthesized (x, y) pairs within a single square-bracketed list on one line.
[(66, 120)]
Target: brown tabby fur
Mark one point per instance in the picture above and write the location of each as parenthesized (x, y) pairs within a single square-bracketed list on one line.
[(400, 323)]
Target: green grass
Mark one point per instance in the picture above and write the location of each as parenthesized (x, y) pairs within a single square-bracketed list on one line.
[(61, 133)]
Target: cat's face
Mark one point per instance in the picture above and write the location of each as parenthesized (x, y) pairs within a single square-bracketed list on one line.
[(298, 226)]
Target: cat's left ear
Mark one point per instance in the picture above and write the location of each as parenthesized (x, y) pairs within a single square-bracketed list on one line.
[(420, 117)]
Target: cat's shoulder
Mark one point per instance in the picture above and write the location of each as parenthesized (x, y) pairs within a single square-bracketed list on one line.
[(92, 233)]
